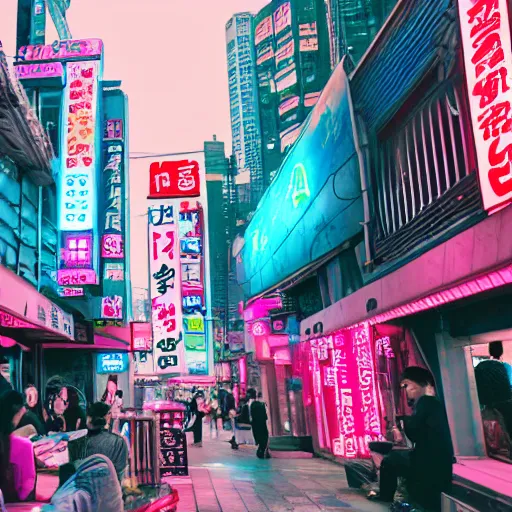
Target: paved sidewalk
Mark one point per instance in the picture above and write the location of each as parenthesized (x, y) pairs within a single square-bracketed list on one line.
[(222, 479)]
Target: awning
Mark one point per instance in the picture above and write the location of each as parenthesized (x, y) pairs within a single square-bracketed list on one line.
[(100, 343), (193, 380)]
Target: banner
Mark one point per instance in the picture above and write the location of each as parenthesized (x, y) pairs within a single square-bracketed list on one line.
[(165, 288)]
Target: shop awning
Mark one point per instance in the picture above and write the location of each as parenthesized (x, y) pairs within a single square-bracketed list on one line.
[(193, 380)]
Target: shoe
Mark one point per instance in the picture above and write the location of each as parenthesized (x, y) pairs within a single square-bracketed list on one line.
[(198, 445)]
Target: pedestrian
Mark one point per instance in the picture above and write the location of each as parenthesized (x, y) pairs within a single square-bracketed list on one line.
[(496, 353), (258, 418), (99, 441), (74, 415), (214, 415), (197, 413), (115, 411), (17, 463), (243, 429), (229, 413), (109, 396), (428, 466)]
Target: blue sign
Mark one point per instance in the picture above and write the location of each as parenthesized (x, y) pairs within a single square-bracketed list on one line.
[(112, 363), (314, 203)]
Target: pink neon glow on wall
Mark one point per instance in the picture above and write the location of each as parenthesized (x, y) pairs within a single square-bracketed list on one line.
[(343, 374)]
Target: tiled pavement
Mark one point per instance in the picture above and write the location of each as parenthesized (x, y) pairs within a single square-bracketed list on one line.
[(237, 481)]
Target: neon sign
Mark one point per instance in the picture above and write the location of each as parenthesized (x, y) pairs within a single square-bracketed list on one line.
[(112, 308), (112, 246), (70, 292), (485, 31), (82, 276), (174, 179), (260, 329), (62, 50), (35, 71), (77, 191)]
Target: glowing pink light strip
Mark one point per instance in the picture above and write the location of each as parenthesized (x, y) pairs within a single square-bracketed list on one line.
[(481, 284)]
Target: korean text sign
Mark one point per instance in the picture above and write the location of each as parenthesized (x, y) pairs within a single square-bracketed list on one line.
[(165, 288), (485, 31), (77, 184), (174, 179)]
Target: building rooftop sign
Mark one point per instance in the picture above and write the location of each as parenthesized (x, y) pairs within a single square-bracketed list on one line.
[(485, 30), (40, 70), (62, 50)]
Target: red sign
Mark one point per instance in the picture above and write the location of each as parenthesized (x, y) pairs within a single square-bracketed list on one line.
[(485, 31), (141, 337), (174, 179), (82, 276)]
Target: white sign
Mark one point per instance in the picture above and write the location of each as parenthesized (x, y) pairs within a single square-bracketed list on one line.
[(165, 288), (485, 30)]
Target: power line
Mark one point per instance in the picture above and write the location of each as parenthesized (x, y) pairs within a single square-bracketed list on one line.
[(158, 155)]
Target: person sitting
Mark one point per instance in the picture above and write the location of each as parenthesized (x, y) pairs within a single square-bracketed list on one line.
[(31, 416), (100, 441), (428, 466), (17, 463), (74, 415)]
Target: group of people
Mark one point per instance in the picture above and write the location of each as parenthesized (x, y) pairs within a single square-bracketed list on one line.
[(250, 417), (24, 419)]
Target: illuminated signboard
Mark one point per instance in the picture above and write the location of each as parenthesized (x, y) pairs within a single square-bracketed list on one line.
[(112, 363), (314, 203), (35, 71), (73, 277), (70, 292), (344, 375), (165, 288), (141, 336), (174, 179), (112, 246), (112, 308), (62, 50), (485, 31), (113, 182), (77, 187)]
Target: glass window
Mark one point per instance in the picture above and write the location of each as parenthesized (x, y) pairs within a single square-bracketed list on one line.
[(50, 104), (493, 375)]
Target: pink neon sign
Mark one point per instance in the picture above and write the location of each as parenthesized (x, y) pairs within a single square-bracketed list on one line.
[(260, 328), (81, 276), (112, 308), (60, 50), (343, 374), (112, 246), (46, 70)]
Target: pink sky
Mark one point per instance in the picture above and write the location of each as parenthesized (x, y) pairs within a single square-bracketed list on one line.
[(171, 57)]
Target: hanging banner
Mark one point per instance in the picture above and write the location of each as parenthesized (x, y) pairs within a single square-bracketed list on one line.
[(485, 32), (174, 179), (165, 289)]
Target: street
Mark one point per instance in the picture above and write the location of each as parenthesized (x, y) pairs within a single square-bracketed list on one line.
[(222, 479)]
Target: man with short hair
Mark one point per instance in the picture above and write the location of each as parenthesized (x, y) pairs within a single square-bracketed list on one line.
[(428, 466), (258, 417), (496, 353)]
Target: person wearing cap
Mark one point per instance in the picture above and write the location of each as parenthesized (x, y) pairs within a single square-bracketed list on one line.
[(99, 441), (428, 466)]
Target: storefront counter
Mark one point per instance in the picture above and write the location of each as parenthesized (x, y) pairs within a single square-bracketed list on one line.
[(480, 484)]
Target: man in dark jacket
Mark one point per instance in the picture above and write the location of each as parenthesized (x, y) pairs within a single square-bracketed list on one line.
[(428, 467), (258, 415)]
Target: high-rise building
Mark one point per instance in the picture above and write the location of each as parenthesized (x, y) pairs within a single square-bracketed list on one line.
[(292, 64), (245, 122), (353, 24)]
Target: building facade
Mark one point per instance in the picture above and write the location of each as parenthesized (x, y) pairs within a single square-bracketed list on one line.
[(406, 192), (243, 102)]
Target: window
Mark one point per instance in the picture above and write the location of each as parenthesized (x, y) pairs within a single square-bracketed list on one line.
[(50, 105), (493, 375), (78, 251)]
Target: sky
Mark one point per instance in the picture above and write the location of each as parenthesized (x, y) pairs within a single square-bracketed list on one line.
[(171, 58)]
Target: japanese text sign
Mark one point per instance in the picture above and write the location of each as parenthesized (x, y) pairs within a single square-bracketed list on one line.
[(46, 70), (112, 307), (73, 277), (77, 190), (174, 179), (61, 50), (165, 289), (485, 31), (113, 182), (112, 246)]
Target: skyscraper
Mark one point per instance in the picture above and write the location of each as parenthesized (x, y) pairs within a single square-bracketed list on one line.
[(353, 24), (245, 122)]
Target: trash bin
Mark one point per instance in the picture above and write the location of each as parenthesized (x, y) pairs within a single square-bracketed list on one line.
[(171, 440)]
